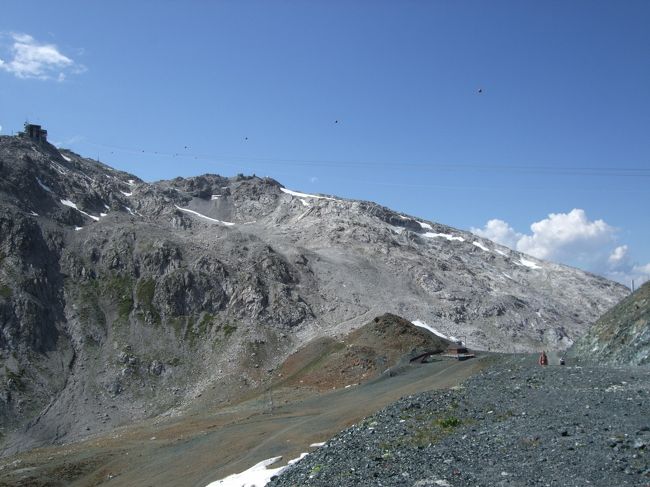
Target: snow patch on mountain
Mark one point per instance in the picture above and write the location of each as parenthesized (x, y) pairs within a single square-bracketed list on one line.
[(422, 324), (443, 235), (187, 210), (306, 195), (529, 263), (44, 186), (480, 246), (257, 476), (72, 205)]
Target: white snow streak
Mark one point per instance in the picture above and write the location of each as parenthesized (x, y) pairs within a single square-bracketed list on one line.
[(501, 252), (480, 246), (103, 214), (78, 228), (46, 188), (126, 194), (529, 263), (215, 197), (305, 195), (66, 157), (69, 203), (443, 235), (426, 226), (72, 205), (257, 476), (33, 213), (131, 182), (187, 210), (317, 445), (422, 324)]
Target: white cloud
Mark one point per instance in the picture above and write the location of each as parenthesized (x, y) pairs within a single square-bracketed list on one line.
[(30, 59), (500, 232), (563, 235), (618, 255), (571, 238)]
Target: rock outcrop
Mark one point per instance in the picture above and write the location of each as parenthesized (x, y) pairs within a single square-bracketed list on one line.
[(622, 335)]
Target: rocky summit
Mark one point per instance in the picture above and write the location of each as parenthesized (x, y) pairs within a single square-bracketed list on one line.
[(122, 299)]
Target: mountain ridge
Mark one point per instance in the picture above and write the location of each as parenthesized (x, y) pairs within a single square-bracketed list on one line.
[(122, 299)]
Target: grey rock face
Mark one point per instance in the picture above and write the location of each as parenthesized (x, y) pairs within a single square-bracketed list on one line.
[(620, 336), (182, 276)]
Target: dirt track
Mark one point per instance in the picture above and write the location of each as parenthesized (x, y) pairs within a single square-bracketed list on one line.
[(196, 450)]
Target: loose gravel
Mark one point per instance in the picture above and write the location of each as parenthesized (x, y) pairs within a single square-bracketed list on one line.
[(513, 424)]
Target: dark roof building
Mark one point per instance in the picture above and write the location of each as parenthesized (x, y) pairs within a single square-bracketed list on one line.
[(34, 132)]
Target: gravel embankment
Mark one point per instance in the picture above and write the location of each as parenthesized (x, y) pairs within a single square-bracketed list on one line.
[(513, 424)]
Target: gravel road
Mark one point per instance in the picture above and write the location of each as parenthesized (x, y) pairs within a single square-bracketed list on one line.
[(513, 424)]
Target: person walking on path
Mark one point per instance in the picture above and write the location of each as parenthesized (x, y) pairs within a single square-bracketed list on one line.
[(543, 359)]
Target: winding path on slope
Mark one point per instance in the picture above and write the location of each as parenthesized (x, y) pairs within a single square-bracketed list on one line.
[(199, 449), (290, 429)]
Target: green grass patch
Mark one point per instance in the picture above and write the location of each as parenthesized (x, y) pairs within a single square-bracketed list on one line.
[(16, 379), (229, 329), (449, 422), (89, 307), (428, 432), (144, 292), (6, 292), (205, 323), (120, 291), (177, 323)]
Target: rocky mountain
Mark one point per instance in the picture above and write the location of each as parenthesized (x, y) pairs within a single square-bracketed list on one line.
[(622, 335), (385, 342), (121, 299)]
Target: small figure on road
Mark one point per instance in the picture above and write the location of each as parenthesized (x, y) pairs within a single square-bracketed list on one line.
[(562, 360), (543, 359)]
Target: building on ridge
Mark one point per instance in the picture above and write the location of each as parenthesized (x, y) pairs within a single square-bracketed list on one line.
[(34, 132)]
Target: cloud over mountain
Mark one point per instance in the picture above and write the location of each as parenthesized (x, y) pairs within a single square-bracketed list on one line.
[(571, 238)]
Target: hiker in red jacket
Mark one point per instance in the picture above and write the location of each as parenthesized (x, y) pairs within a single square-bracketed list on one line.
[(543, 359)]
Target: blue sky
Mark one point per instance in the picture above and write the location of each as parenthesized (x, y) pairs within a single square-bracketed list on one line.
[(526, 121)]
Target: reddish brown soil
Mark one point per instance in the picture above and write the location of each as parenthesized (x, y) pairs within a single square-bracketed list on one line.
[(278, 419)]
